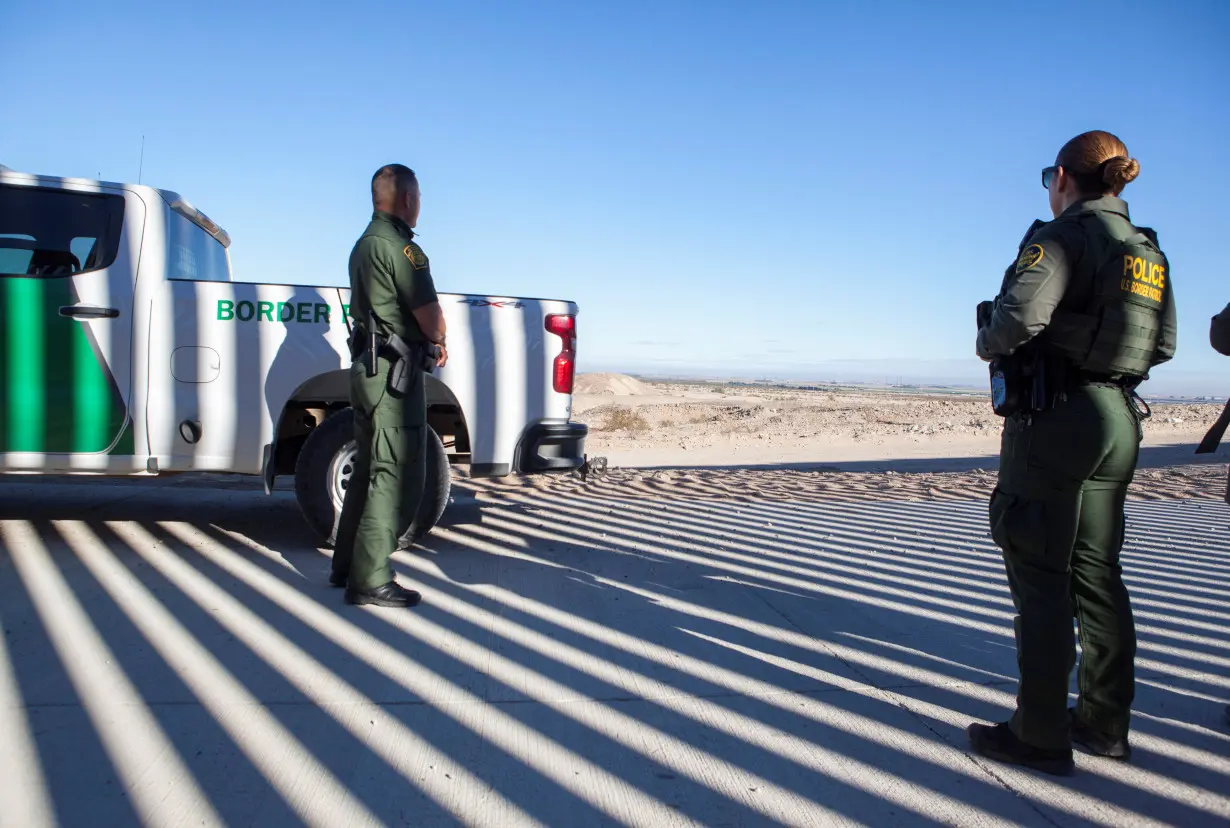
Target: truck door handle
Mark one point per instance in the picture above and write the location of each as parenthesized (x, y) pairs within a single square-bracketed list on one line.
[(88, 312)]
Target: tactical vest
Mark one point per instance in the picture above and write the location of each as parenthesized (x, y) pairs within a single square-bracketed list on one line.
[(1124, 280)]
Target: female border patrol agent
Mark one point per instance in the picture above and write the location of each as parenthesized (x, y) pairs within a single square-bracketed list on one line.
[(1089, 308)]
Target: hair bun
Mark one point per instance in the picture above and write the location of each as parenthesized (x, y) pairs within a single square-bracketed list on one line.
[(1119, 171)]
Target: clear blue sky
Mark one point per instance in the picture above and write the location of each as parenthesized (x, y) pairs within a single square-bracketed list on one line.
[(749, 189)]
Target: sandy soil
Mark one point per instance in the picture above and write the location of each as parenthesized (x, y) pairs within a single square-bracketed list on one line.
[(639, 424), (752, 485)]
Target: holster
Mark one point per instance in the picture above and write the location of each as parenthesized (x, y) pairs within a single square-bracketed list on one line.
[(406, 361), (1023, 383), (404, 367), (1007, 383)]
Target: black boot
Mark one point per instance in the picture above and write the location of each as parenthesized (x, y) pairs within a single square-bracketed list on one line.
[(1099, 743), (998, 742), (337, 579), (387, 595)]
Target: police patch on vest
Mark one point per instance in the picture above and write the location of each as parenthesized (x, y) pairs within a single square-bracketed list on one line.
[(1143, 279), (416, 256), (1030, 256)]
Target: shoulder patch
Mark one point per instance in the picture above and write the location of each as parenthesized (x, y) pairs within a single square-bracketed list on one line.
[(416, 256), (1030, 256)]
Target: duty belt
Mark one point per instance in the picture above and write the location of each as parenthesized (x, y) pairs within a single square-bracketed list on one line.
[(1091, 378), (358, 346), (406, 361)]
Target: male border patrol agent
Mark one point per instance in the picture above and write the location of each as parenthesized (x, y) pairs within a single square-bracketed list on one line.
[(398, 332), (1081, 318)]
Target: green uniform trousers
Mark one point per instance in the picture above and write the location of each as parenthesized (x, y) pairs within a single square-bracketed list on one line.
[(387, 483), (1058, 516)]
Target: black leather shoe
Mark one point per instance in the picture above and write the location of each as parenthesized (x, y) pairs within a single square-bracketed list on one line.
[(1099, 743), (998, 742), (387, 595), (337, 580)]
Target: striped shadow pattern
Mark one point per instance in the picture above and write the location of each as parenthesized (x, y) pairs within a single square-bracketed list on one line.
[(172, 656)]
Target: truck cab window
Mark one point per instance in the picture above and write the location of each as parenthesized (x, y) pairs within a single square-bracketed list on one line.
[(192, 254), (15, 252), (56, 233), (83, 248)]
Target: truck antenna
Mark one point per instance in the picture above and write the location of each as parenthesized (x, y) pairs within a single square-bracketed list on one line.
[(141, 167)]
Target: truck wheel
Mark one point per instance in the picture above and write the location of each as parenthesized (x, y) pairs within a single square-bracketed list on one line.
[(322, 474)]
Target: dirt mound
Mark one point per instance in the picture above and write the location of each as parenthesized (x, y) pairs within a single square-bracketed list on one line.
[(617, 385)]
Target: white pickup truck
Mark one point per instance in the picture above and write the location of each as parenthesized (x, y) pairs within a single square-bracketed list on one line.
[(126, 349)]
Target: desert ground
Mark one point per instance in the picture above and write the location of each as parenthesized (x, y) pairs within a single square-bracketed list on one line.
[(798, 638), (904, 443)]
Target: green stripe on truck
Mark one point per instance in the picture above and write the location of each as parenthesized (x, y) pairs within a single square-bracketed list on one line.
[(25, 376), (56, 395)]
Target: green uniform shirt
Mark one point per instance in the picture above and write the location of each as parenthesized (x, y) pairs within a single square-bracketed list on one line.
[(1051, 274), (390, 274)]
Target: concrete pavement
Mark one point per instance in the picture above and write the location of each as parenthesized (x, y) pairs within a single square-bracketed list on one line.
[(172, 655)]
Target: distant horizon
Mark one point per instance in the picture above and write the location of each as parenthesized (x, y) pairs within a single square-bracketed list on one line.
[(850, 372)]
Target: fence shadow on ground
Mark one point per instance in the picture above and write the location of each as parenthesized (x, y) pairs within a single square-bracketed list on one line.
[(582, 657)]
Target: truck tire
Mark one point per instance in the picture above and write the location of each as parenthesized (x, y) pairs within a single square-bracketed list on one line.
[(323, 469)]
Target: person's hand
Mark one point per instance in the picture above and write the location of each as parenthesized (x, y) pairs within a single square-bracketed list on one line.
[(442, 359), (978, 347)]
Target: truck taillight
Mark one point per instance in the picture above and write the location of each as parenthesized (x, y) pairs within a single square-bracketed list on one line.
[(565, 370), (560, 325), (565, 327)]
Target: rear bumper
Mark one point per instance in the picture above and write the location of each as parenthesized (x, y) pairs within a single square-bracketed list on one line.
[(551, 447)]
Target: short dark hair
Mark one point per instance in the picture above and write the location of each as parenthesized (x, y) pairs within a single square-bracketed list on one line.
[(390, 183)]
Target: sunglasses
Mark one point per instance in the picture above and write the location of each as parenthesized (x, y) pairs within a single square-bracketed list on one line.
[(1048, 175)]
